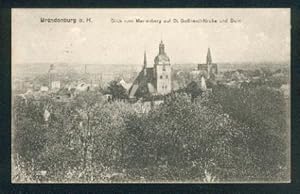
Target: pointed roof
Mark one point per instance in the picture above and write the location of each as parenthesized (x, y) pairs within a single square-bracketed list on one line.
[(124, 84), (145, 59), (145, 64), (143, 81), (208, 57), (161, 47)]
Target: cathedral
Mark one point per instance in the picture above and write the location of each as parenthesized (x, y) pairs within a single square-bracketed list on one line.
[(153, 81), (209, 70)]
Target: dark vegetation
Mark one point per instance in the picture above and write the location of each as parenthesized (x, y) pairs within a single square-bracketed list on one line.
[(234, 134)]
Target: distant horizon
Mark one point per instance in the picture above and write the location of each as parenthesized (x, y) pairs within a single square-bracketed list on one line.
[(136, 64), (26, 69), (257, 35)]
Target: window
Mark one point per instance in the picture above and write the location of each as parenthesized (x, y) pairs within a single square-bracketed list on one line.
[(164, 68), (167, 77), (161, 77)]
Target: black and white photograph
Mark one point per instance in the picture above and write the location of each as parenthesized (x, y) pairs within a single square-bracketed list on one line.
[(150, 95)]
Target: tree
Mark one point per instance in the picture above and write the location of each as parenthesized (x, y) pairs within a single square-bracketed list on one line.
[(264, 111), (116, 90), (194, 90), (211, 138), (204, 139)]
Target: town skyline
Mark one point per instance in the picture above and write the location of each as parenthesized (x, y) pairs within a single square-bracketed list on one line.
[(111, 99)]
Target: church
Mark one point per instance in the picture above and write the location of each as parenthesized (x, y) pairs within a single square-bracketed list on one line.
[(209, 69), (153, 81), (157, 80)]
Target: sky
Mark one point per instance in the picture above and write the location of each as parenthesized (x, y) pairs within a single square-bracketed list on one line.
[(261, 35)]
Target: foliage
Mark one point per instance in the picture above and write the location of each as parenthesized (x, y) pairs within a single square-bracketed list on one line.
[(88, 139), (265, 111), (194, 90), (116, 90)]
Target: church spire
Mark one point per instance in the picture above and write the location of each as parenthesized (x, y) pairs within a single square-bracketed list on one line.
[(145, 63), (161, 47), (145, 59), (208, 57)]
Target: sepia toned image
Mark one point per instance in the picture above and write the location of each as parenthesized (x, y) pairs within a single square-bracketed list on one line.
[(151, 95)]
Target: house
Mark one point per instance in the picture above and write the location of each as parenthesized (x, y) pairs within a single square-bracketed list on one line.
[(44, 89), (55, 85), (82, 87), (125, 85)]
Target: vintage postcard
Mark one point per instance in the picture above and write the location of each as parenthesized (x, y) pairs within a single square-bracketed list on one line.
[(151, 95)]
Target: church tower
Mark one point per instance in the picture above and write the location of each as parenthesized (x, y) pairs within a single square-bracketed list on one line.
[(145, 64), (208, 57), (162, 71), (209, 63)]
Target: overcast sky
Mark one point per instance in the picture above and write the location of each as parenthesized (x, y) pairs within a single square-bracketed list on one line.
[(262, 35)]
